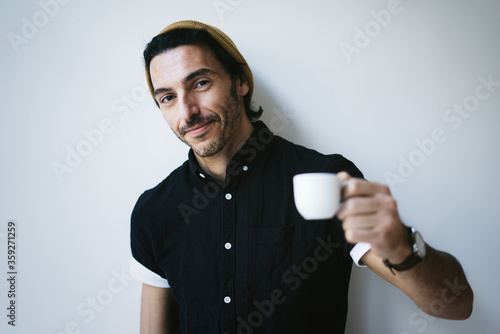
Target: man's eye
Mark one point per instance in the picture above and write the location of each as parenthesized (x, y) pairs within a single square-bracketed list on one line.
[(201, 83), (166, 98)]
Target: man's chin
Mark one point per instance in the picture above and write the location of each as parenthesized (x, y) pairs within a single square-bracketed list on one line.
[(208, 149)]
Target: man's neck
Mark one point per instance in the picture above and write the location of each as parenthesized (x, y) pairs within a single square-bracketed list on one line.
[(216, 165)]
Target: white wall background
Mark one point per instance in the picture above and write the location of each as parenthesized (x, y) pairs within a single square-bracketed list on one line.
[(78, 68)]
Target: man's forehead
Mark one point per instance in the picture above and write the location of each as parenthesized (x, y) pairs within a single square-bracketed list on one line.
[(180, 60)]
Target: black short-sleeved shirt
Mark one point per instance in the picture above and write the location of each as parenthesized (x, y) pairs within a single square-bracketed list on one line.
[(238, 257)]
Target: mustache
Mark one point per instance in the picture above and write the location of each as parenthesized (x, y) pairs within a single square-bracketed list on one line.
[(197, 120)]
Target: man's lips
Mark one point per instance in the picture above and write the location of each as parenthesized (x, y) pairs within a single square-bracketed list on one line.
[(198, 129)]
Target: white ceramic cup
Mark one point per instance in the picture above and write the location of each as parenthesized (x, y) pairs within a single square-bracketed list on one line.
[(317, 195)]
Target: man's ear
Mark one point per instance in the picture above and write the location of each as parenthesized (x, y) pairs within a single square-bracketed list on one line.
[(242, 85)]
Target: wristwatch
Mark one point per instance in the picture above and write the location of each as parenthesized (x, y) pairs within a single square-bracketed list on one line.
[(418, 252)]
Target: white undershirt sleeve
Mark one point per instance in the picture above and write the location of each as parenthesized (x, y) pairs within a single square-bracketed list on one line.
[(358, 251), (145, 275)]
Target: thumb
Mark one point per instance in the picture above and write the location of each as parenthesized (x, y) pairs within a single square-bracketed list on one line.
[(343, 177)]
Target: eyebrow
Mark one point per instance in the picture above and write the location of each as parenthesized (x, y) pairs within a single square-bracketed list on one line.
[(188, 78)]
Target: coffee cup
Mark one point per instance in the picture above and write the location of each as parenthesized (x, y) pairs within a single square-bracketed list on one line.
[(317, 195)]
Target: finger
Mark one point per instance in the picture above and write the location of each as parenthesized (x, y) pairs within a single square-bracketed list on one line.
[(383, 226), (364, 222), (363, 206), (359, 187), (359, 235), (358, 206), (343, 176)]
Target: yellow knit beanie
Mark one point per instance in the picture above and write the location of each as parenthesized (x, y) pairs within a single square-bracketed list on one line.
[(224, 41)]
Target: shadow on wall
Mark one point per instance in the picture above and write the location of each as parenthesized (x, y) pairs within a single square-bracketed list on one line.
[(374, 303), (278, 116), (362, 288)]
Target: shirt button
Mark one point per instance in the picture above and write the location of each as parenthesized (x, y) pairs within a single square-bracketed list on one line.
[(228, 196), (227, 299), (245, 168), (228, 245), (202, 176)]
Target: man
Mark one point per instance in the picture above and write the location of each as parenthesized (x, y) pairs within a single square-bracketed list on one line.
[(219, 244)]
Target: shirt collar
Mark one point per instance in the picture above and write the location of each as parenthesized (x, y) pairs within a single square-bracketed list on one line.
[(246, 156)]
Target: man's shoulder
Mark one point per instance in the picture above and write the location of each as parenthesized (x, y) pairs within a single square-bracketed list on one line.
[(158, 194), (289, 147), (312, 160)]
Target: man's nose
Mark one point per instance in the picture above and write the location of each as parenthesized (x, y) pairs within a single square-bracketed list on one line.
[(187, 106)]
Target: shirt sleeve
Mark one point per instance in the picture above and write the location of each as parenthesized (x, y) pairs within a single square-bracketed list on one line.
[(143, 242), (357, 252), (145, 275), (339, 163)]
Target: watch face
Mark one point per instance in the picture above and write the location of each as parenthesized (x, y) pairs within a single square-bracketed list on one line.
[(419, 242)]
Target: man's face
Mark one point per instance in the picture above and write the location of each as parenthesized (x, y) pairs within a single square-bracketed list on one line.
[(197, 98)]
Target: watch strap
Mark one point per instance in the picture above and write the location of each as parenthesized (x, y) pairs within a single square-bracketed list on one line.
[(411, 260)]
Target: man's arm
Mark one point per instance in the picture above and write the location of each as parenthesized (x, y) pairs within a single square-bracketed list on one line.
[(159, 310), (437, 284)]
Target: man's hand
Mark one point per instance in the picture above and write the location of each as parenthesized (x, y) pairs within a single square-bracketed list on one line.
[(369, 214)]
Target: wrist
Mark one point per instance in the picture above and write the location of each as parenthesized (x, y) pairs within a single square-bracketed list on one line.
[(404, 248), (403, 251), (417, 254)]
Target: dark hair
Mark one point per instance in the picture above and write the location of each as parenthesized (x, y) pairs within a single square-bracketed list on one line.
[(183, 36)]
